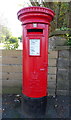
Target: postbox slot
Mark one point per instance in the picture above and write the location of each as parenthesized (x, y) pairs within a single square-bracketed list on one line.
[(35, 31)]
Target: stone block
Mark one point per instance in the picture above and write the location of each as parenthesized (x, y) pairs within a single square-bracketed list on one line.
[(69, 77), (62, 85), (56, 41), (63, 63), (64, 54), (61, 48), (51, 78), (52, 70), (52, 54), (52, 85), (62, 80), (52, 62), (70, 63), (51, 92), (11, 90), (63, 92), (62, 74)]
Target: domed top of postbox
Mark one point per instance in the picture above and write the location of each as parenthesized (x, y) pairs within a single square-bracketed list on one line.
[(35, 14)]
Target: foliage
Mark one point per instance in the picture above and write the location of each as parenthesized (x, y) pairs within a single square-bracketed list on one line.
[(6, 38), (20, 37), (62, 13), (11, 43), (13, 40), (64, 29), (68, 42), (4, 33)]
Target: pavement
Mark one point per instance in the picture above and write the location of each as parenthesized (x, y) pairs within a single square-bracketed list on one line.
[(15, 106)]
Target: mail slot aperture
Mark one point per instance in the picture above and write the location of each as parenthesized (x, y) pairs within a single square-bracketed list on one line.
[(35, 31)]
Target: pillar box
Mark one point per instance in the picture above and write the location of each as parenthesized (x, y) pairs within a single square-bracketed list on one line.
[(35, 30)]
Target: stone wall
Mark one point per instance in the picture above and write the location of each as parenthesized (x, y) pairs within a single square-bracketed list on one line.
[(63, 75), (63, 64), (52, 70)]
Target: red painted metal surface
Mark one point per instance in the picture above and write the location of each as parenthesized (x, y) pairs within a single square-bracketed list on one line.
[(35, 23)]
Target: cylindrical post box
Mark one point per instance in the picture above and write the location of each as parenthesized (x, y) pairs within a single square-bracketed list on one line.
[(35, 24)]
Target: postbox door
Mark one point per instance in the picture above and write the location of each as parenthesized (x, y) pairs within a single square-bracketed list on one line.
[(37, 67)]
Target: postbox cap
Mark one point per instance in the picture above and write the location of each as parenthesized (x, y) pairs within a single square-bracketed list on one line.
[(35, 14)]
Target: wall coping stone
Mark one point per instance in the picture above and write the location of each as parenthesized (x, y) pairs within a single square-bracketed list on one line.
[(59, 33), (62, 48)]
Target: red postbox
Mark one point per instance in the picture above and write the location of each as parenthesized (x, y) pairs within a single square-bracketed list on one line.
[(35, 24)]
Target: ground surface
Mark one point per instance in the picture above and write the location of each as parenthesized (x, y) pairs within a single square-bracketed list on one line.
[(53, 107)]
